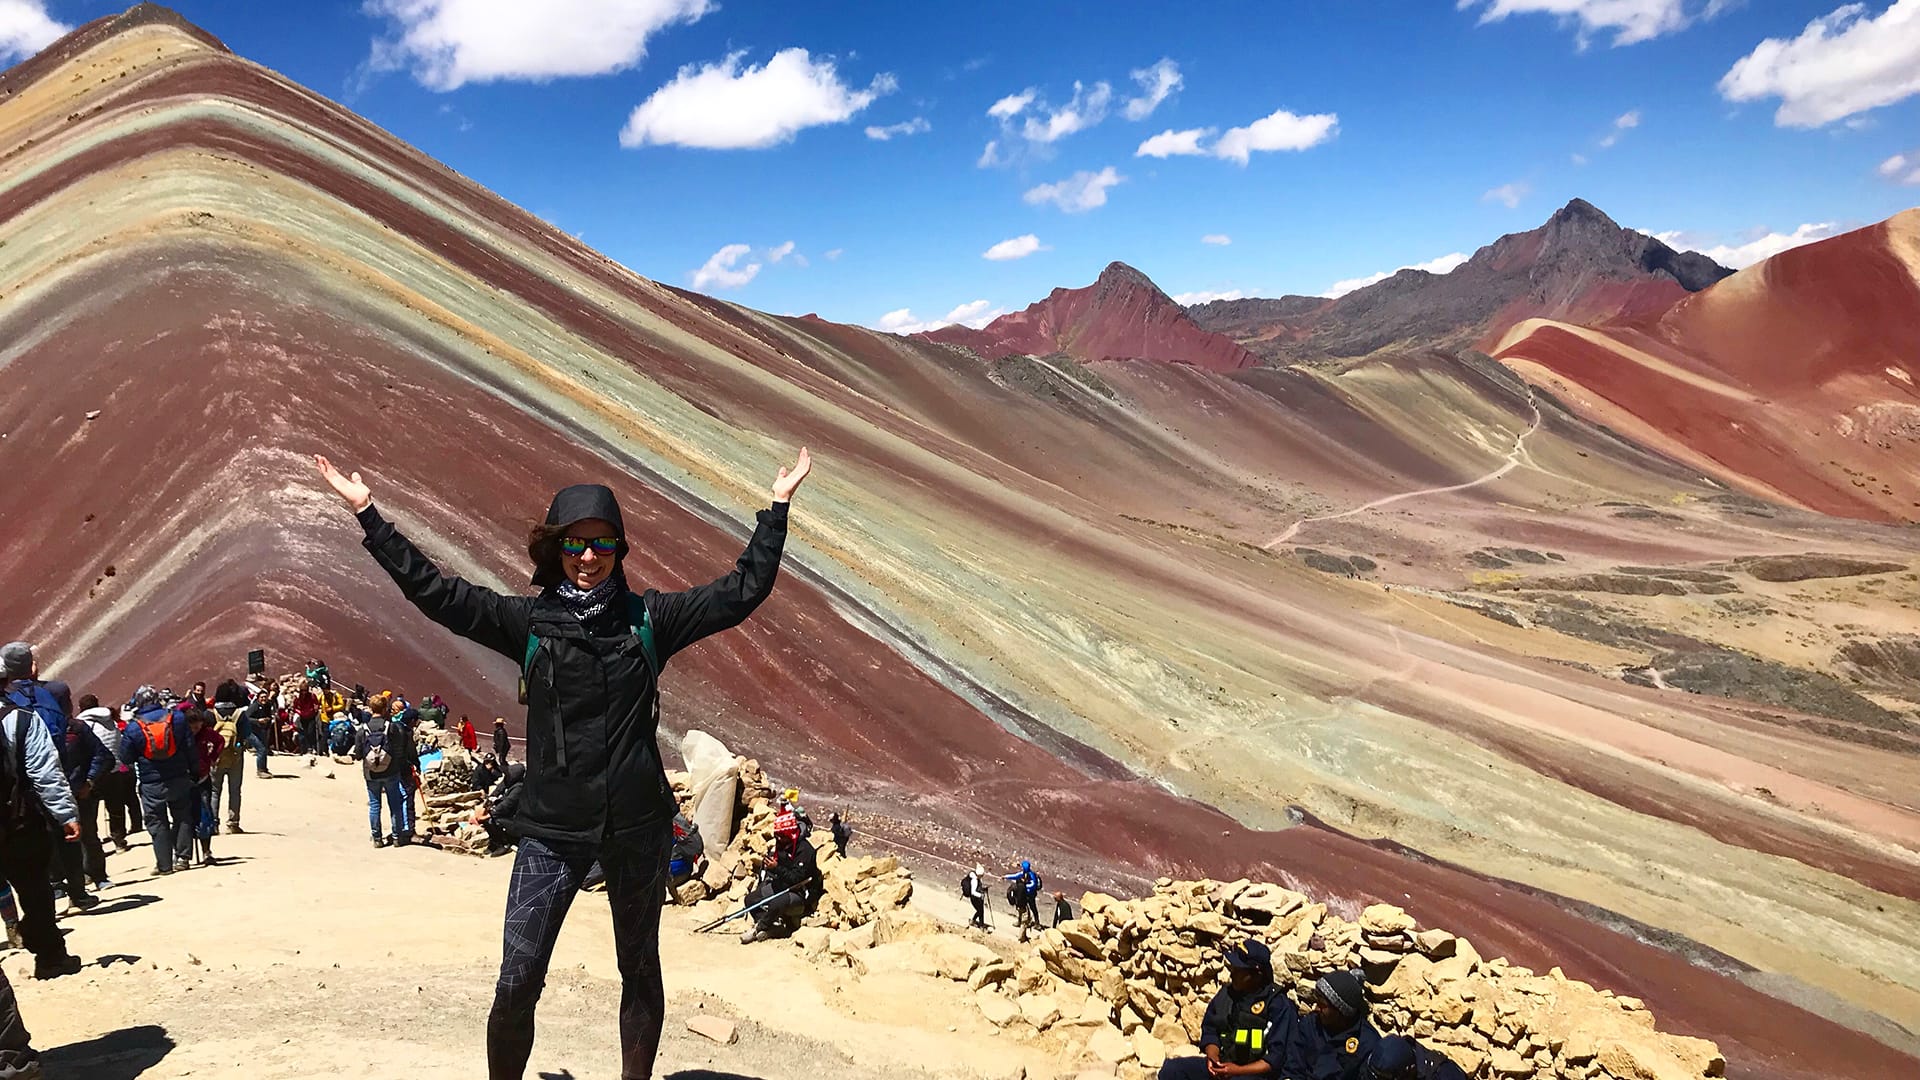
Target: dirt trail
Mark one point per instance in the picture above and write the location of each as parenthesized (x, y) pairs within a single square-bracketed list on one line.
[(1511, 462), (312, 953)]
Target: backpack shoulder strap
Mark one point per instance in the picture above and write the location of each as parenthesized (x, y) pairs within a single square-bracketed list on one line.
[(640, 619)]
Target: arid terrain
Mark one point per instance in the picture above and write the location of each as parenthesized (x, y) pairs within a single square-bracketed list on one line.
[(1587, 627)]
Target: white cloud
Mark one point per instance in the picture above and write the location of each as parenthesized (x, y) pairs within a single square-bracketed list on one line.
[(1902, 168), (1281, 130), (1078, 193), (1578, 159), (834, 254), (1013, 104), (1156, 83), (1088, 107), (774, 255), (1509, 195), (724, 106), (1763, 243), (1631, 21), (1188, 299), (990, 156), (723, 269), (1170, 143), (1445, 264), (449, 43), (1627, 121), (915, 126), (1843, 63), (1017, 248), (1217, 239), (974, 314), (26, 28)]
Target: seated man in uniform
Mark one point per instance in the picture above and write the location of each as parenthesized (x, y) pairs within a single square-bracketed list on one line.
[(1334, 1041), (1248, 1025)]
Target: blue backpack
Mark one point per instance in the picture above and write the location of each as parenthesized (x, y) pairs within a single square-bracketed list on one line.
[(35, 698)]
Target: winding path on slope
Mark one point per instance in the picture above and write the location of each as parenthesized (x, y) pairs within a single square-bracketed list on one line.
[(1512, 461)]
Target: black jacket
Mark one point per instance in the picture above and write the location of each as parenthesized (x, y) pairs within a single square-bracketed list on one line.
[(593, 771), (1266, 1010), (1317, 1054)]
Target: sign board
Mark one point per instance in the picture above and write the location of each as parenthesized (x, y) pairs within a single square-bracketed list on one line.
[(257, 662)]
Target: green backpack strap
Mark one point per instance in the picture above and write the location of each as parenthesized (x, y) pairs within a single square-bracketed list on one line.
[(639, 620)]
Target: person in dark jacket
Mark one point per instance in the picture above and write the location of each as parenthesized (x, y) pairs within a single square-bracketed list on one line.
[(502, 803), (842, 833), (1400, 1058), (1334, 1041), (164, 766), (1062, 910), (260, 723), (376, 748), (789, 884), (85, 761), (1248, 1025), (502, 742), (595, 787)]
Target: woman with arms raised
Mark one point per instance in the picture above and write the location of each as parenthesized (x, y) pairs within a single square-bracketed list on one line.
[(590, 650)]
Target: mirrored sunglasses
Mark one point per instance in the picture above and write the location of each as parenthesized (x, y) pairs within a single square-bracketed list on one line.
[(603, 546)]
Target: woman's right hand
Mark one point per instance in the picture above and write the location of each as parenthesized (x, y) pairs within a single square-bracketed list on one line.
[(351, 489)]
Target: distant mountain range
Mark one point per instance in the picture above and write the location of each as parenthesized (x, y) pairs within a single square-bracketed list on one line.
[(1580, 267)]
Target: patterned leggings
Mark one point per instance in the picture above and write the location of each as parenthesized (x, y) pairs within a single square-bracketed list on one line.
[(542, 889)]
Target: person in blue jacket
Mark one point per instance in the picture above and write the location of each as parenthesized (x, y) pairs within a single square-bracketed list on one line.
[(1024, 895), (1334, 1041), (159, 745)]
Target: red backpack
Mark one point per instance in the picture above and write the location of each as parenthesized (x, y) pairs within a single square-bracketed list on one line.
[(159, 737)]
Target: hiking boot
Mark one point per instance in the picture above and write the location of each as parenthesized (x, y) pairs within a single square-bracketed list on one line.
[(234, 828), (66, 965), (753, 934), (379, 841), (14, 940), (402, 840), (81, 903), (263, 774), (120, 847)]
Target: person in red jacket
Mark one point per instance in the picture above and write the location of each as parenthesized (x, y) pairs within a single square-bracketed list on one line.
[(207, 745), (469, 738)]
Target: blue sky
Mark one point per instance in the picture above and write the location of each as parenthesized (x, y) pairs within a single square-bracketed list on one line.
[(1374, 134)]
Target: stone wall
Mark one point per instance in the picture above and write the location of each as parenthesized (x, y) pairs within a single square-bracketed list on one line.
[(1129, 981)]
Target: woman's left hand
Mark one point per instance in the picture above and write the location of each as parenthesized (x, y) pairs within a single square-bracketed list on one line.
[(789, 479)]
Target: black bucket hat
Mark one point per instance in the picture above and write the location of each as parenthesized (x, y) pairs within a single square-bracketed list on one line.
[(581, 502)]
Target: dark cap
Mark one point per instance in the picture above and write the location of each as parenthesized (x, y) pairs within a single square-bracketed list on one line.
[(1392, 1059), (16, 660), (1250, 955), (582, 502), (1342, 990)]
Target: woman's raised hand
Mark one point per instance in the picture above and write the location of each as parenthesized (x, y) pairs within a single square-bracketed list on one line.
[(353, 491), (789, 479)]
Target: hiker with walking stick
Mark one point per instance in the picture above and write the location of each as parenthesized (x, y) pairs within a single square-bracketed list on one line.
[(590, 648)]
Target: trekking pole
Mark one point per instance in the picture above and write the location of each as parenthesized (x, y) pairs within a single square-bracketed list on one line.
[(724, 919)]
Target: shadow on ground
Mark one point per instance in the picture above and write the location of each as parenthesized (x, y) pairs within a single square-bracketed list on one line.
[(117, 1055)]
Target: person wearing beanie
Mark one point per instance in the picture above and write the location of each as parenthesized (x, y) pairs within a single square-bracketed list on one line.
[(1335, 1040), (36, 796), (159, 745), (590, 647), (1400, 1058), (1248, 1026), (974, 888)]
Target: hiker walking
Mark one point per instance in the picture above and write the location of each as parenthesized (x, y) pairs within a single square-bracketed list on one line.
[(121, 795), (83, 761), (502, 742), (52, 704), (841, 832), (469, 738), (1023, 895), (207, 747), (230, 768), (99, 722), (974, 888), (590, 650), (159, 746), (374, 748), (261, 724), (33, 796)]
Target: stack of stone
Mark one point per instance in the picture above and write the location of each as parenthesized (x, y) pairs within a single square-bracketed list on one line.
[(1148, 967), (855, 890), (448, 820)]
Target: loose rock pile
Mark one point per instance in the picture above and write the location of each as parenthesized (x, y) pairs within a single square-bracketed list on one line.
[(1130, 980), (855, 890)]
